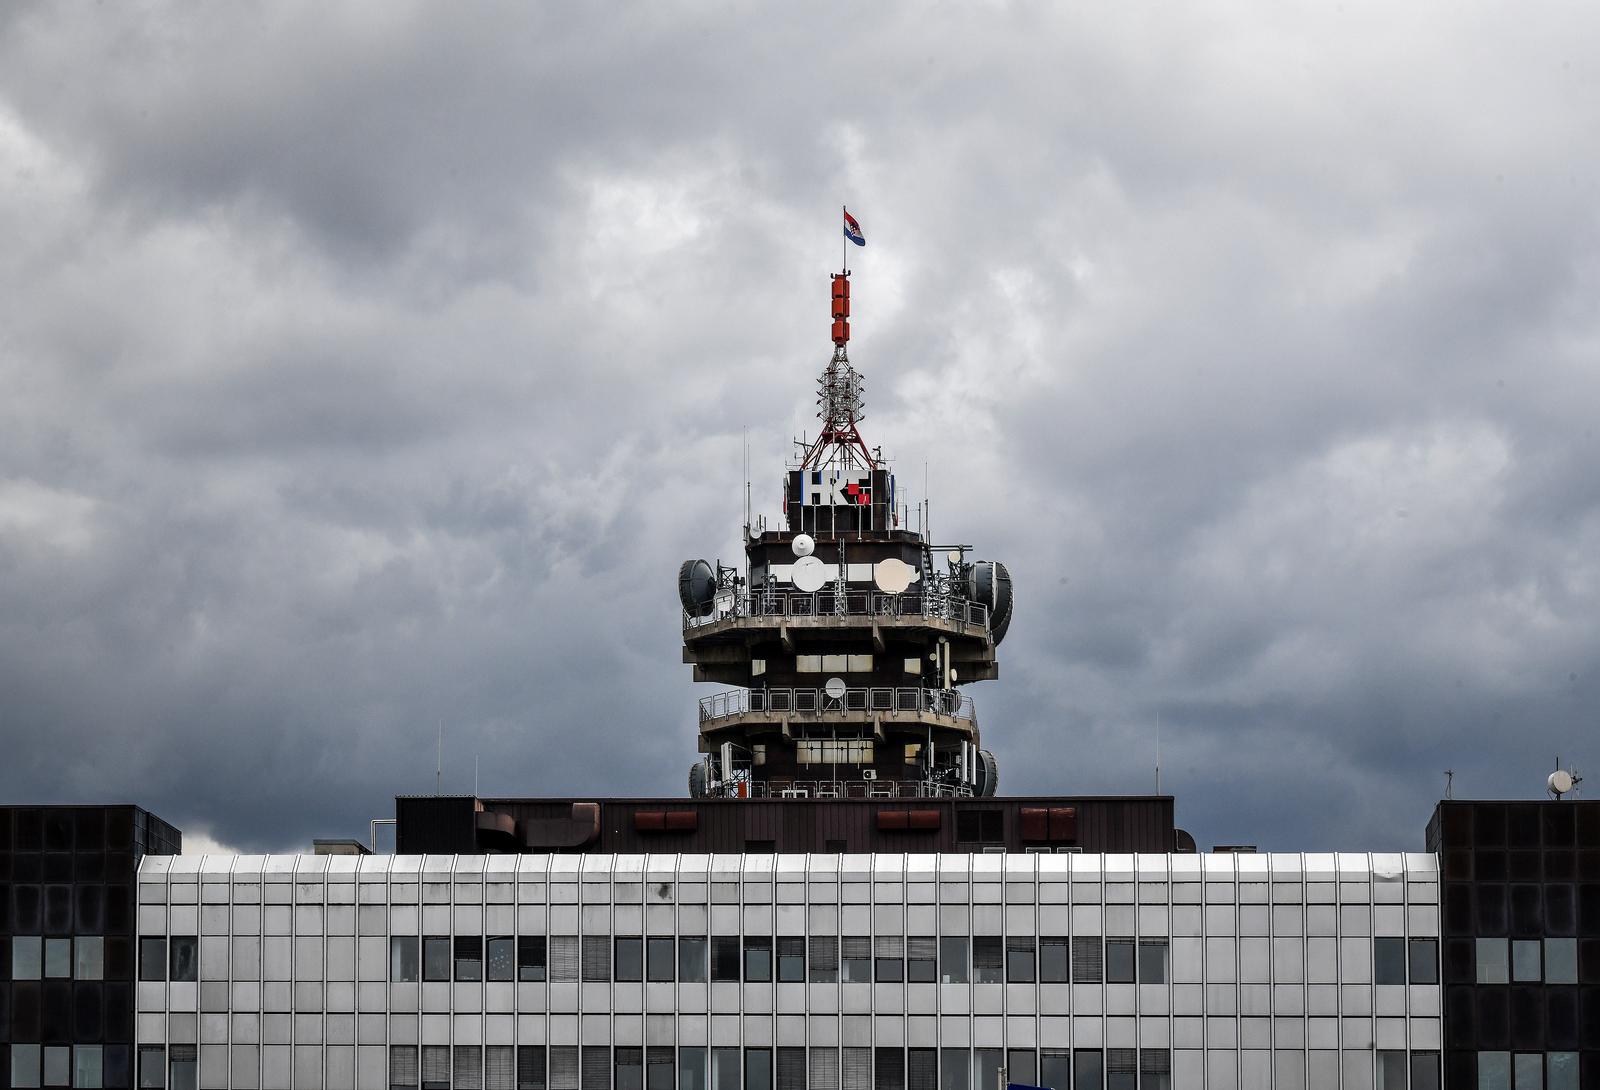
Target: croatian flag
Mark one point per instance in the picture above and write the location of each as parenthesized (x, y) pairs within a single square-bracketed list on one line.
[(852, 230)]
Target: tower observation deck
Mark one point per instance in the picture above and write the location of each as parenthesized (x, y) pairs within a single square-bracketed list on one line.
[(848, 636)]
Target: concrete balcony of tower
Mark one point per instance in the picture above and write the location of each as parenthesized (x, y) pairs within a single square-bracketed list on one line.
[(722, 643), (743, 711)]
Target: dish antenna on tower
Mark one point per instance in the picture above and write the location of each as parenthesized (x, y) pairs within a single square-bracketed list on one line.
[(1562, 781)]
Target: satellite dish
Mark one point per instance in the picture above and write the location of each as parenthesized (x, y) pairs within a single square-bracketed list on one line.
[(892, 576), (954, 556), (697, 780), (803, 545), (809, 574), (697, 587), (1560, 782), (834, 687), (990, 583)]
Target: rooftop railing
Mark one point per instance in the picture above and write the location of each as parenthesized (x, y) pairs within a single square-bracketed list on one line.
[(827, 603), (946, 702), (741, 788)]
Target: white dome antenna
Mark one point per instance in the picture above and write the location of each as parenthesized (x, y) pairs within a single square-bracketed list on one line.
[(1562, 781)]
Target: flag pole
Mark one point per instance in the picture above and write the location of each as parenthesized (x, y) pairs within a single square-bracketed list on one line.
[(844, 242)]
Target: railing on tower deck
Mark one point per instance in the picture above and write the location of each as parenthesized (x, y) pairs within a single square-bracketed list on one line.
[(826, 603), (744, 788), (946, 702)]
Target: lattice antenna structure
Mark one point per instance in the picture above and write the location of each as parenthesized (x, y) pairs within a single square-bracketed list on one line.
[(840, 402)]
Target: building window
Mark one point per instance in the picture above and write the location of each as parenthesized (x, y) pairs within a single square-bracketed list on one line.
[(1494, 1071), (980, 826), (1493, 965), (27, 963), (1425, 1074), (1088, 960), (988, 959), (791, 959), (985, 1068), (403, 962), (530, 958), (628, 1068), (563, 970), (757, 959), (1155, 1069), (629, 959), (834, 751), (1019, 967), (57, 959), (436, 962), (152, 967), (56, 1065), (499, 1067), (1392, 1069), (1022, 1066), (1055, 1069), (1122, 1064), (403, 1067), (182, 1067), (1055, 960), (1525, 960), (725, 1069), (889, 959), (725, 958), (758, 1069), (501, 957), (1152, 961), (692, 1068), (1088, 1068), (659, 956), (435, 1067), (89, 961), (530, 1067), (88, 1067), (469, 958), (824, 959), (563, 1063), (658, 1064), (1527, 1071), (855, 959), (922, 963), (1389, 960), (1119, 961), (468, 1073), (692, 959), (153, 1062), (597, 958), (953, 959), (1560, 961), (184, 959), (1424, 960), (1561, 1071), (24, 1065)]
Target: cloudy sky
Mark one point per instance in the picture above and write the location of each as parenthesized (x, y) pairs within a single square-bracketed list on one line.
[(369, 367)]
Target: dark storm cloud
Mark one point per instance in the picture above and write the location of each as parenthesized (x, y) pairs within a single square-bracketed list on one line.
[(373, 367)]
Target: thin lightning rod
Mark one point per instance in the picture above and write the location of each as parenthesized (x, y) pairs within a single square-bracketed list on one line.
[(438, 767), (1158, 751)]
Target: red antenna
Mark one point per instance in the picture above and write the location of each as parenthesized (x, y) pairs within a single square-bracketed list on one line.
[(839, 400)]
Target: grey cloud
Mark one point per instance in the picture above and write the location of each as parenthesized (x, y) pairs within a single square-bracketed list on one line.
[(375, 367)]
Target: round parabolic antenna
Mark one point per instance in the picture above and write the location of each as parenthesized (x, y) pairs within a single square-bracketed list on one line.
[(892, 576), (809, 574), (697, 780), (988, 774), (803, 545), (1560, 781), (697, 587), (834, 687), (989, 582)]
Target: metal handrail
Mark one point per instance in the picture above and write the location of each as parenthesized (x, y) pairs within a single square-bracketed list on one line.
[(783, 701), (841, 789), (826, 603)]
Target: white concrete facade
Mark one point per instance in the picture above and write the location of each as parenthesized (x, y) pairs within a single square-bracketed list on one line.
[(1258, 971)]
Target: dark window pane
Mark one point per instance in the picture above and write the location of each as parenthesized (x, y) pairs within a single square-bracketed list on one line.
[(692, 963), (1389, 959), (1152, 961), (953, 959), (629, 1073), (692, 1068), (757, 960), (792, 959), (1019, 961), (152, 1067), (1424, 957), (435, 961), (403, 959), (659, 956), (725, 957), (955, 1070), (1119, 961), (1087, 964), (988, 959), (152, 966), (185, 957), (502, 958), (658, 1068), (1055, 961), (758, 1069), (1022, 1066), (1088, 1069), (469, 958), (630, 961), (725, 1064), (531, 960)]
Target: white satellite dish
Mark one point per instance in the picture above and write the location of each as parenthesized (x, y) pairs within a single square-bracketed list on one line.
[(834, 687), (892, 576), (803, 545), (809, 574), (954, 556), (1560, 782)]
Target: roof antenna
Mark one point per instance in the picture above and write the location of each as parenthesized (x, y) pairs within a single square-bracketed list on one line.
[(1449, 782), (474, 775), (1158, 751), (438, 767)]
